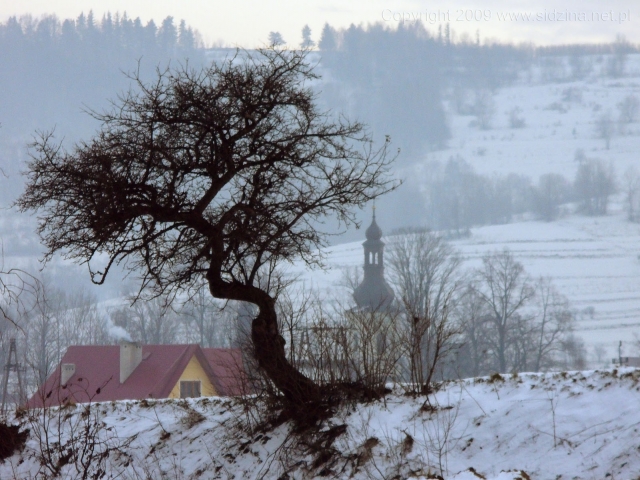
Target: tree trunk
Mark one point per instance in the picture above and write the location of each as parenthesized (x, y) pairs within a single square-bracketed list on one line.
[(269, 350), (268, 344)]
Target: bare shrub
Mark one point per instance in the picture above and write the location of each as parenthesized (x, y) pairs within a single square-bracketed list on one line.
[(73, 442)]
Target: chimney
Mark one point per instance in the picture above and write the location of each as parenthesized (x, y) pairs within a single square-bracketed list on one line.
[(130, 358), (66, 372)]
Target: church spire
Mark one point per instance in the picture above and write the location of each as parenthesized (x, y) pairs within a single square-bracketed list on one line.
[(373, 293)]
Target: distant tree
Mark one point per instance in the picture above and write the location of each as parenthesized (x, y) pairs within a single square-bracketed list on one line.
[(629, 109), (474, 320), (484, 109), (580, 64), (276, 39), (328, 41), (551, 323), (552, 68), (516, 120), (207, 322), (186, 37), (631, 190), (152, 322), (552, 190), (168, 34), (605, 128), (505, 288), (210, 176), (306, 38), (594, 184), (424, 271), (55, 320), (574, 353), (617, 60), (572, 94)]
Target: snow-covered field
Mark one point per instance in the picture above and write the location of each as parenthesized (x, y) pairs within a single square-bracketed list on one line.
[(592, 260), (569, 425)]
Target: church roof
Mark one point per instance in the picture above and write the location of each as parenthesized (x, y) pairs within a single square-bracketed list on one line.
[(374, 232)]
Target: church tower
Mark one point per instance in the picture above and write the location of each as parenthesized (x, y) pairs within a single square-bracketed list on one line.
[(374, 293)]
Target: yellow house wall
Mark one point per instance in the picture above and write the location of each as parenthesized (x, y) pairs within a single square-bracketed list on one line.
[(194, 371)]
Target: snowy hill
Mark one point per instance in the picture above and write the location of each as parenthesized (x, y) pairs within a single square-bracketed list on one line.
[(559, 117), (578, 425)]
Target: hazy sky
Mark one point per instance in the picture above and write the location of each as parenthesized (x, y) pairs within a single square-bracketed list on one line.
[(247, 23)]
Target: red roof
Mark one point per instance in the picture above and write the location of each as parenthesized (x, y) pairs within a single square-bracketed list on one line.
[(97, 373)]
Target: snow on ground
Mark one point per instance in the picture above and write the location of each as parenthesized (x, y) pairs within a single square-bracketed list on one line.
[(569, 425), (560, 118)]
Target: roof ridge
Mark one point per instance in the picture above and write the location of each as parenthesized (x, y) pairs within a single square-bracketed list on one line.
[(164, 386)]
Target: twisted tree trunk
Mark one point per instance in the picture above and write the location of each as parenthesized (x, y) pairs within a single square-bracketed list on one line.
[(268, 344)]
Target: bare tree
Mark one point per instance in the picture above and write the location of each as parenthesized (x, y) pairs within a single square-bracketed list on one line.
[(298, 308), (617, 60), (484, 108), (152, 322), (631, 190), (552, 190), (340, 343), (424, 268), (594, 184), (581, 65), (505, 288), (474, 320), (629, 109), (605, 128), (208, 322), (574, 353), (18, 291), (370, 345), (553, 321), (57, 320), (214, 175)]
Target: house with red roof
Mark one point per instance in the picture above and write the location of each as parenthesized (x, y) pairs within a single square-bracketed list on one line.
[(130, 371)]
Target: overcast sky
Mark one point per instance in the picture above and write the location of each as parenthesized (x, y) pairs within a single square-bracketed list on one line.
[(247, 23)]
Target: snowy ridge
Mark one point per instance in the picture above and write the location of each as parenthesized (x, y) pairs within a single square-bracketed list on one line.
[(577, 425)]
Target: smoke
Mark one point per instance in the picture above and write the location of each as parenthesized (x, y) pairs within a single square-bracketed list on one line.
[(115, 331)]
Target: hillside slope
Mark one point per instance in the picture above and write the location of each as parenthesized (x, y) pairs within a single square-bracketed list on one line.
[(577, 425)]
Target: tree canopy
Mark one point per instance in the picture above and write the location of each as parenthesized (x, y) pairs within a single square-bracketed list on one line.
[(211, 174)]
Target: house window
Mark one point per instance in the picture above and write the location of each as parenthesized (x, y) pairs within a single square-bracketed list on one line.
[(189, 388)]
